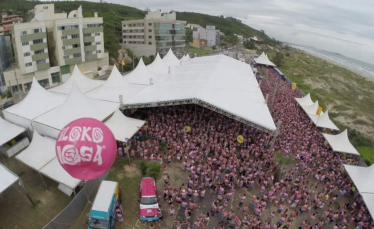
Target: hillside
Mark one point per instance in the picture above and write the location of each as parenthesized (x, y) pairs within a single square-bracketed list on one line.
[(226, 25)]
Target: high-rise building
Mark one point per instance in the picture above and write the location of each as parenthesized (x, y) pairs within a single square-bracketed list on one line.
[(210, 34), (6, 59), (51, 44), (156, 33)]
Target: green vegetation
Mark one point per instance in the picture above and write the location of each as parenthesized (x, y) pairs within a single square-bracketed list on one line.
[(249, 45), (367, 154), (199, 52), (152, 169), (228, 26), (278, 59), (282, 159)]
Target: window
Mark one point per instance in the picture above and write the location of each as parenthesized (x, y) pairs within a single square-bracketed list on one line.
[(150, 24), (97, 34), (75, 55), (37, 30), (91, 25), (26, 54), (87, 44), (63, 47), (64, 37), (76, 45), (87, 35), (89, 53), (40, 62), (67, 27), (98, 51), (150, 30), (23, 33), (37, 41), (150, 43), (150, 37), (45, 7), (28, 64), (66, 57), (55, 76), (25, 43), (98, 43), (75, 36), (39, 51), (124, 42)]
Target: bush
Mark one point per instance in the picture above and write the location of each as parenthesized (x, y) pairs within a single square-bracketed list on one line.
[(8, 94), (367, 154), (278, 59), (143, 167), (99, 68), (154, 169)]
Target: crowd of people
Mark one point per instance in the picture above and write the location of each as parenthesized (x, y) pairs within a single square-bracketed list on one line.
[(311, 192)]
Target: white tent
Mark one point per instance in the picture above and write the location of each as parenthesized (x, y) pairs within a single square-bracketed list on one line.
[(37, 102), (55, 171), (325, 122), (340, 143), (314, 118), (76, 106), (40, 152), (362, 177), (115, 86), (142, 75), (369, 202), (7, 178), (84, 83), (217, 82), (304, 101), (188, 57), (123, 127), (158, 66), (8, 131), (184, 58), (311, 109), (170, 59), (264, 60)]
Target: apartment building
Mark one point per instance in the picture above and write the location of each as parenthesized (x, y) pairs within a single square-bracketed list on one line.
[(6, 58), (210, 34), (156, 33), (51, 44)]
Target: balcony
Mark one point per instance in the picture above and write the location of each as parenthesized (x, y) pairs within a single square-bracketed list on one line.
[(93, 30), (91, 57), (69, 32), (34, 36), (41, 67), (75, 60), (88, 39), (71, 41), (41, 56), (72, 51), (38, 46)]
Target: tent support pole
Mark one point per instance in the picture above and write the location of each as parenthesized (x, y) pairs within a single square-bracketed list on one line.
[(27, 192), (275, 136), (45, 185), (19, 167)]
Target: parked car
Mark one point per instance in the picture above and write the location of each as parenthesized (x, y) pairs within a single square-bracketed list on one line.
[(149, 208), (6, 105)]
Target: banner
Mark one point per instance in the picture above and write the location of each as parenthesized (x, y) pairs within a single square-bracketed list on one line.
[(319, 111), (293, 86), (187, 129), (123, 63)]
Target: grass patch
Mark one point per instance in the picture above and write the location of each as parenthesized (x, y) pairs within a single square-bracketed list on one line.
[(367, 154), (282, 159), (200, 52)]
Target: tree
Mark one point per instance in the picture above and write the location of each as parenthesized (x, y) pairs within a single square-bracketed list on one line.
[(189, 37), (249, 45), (278, 59), (154, 169)]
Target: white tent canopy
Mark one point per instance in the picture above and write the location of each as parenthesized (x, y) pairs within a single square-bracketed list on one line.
[(55, 171), (40, 152), (217, 82), (304, 101), (158, 66), (311, 109), (184, 58), (340, 143), (325, 122), (314, 118), (123, 127), (8, 131), (115, 86), (369, 202), (264, 60), (170, 59), (7, 178), (84, 83), (362, 177), (142, 75), (37, 102), (76, 106)]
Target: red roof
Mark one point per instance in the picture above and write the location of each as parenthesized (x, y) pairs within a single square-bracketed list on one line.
[(148, 187), (7, 28)]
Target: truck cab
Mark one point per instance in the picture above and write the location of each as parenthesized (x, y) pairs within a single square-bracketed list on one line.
[(103, 211), (149, 208)]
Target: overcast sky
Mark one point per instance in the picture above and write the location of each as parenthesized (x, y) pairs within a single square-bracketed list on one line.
[(342, 26)]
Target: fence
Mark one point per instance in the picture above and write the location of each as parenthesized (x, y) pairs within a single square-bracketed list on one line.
[(74, 210)]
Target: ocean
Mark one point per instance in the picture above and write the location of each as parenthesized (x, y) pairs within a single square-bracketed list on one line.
[(355, 65)]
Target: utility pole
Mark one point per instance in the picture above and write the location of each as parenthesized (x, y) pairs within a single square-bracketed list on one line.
[(276, 133)]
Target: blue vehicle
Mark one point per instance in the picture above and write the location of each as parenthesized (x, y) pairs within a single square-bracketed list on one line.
[(103, 211)]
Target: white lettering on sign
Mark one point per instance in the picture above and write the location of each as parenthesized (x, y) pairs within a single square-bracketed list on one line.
[(71, 155)]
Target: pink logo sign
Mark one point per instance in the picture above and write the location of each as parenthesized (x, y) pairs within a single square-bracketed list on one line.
[(86, 148)]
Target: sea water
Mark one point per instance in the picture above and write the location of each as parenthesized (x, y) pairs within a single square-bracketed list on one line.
[(355, 65)]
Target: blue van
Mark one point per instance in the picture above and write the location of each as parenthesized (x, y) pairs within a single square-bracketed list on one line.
[(103, 211)]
